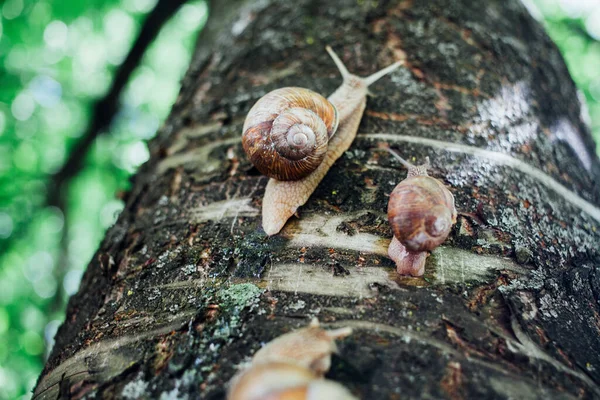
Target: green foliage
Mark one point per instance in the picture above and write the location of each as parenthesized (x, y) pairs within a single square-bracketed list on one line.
[(574, 25), (56, 59)]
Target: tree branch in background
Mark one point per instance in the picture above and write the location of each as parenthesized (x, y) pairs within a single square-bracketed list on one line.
[(104, 112), (106, 108)]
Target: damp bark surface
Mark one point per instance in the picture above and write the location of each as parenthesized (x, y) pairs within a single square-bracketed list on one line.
[(186, 286)]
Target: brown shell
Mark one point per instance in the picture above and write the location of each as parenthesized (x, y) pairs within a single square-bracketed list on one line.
[(286, 132), (421, 212), (284, 381)]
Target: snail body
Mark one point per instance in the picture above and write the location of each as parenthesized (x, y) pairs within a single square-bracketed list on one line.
[(291, 367), (309, 347), (421, 213), (286, 191)]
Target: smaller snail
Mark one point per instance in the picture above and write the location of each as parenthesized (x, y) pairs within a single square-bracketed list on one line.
[(292, 136), (291, 367), (421, 213)]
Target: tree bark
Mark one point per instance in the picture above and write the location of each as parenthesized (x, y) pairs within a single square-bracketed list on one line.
[(186, 285)]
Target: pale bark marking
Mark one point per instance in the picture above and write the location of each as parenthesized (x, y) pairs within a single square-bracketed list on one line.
[(318, 230), (499, 158), (453, 265), (239, 207), (199, 157), (531, 349), (319, 280), (102, 351)]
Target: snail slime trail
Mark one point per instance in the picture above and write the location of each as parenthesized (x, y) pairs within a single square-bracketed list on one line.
[(294, 135), (421, 213)]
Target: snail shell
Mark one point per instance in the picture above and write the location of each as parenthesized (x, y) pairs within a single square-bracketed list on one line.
[(421, 213), (260, 381), (286, 132), (283, 381)]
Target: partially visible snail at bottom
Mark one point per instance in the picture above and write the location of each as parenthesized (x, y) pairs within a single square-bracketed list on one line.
[(291, 367), (421, 213), (312, 133), (310, 347)]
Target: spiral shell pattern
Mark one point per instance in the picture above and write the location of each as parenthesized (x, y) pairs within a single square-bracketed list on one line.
[(286, 132), (421, 213)]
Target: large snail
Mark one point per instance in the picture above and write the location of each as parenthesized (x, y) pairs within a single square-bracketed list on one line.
[(290, 135), (291, 367), (421, 213)]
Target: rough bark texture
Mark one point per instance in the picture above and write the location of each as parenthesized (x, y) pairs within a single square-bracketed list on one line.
[(186, 285)]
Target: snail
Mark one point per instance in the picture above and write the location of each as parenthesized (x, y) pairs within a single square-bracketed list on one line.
[(291, 367), (294, 136), (421, 213), (309, 347)]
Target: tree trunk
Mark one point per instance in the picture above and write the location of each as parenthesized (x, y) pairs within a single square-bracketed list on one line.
[(186, 285)]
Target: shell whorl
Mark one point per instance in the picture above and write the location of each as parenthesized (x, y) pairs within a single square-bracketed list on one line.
[(286, 132), (421, 213)]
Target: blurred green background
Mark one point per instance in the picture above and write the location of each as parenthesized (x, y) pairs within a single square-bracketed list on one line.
[(56, 59)]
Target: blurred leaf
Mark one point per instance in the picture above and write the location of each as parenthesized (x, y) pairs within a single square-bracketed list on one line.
[(56, 59)]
